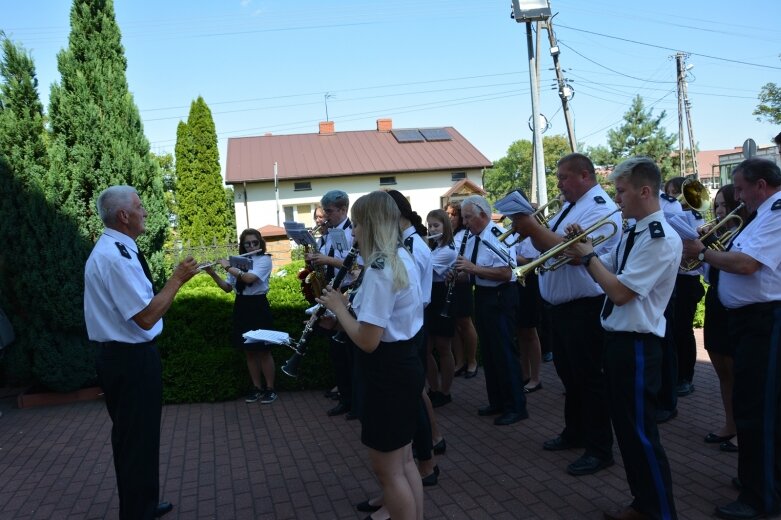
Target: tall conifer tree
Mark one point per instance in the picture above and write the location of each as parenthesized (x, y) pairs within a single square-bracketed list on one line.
[(203, 212)]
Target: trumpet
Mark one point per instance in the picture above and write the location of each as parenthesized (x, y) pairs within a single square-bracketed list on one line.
[(713, 240), (539, 215), (538, 264)]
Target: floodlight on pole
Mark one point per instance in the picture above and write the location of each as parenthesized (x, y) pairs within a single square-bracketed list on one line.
[(531, 10)]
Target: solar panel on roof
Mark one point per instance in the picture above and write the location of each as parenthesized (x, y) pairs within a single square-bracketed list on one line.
[(436, 134), (407, 135)]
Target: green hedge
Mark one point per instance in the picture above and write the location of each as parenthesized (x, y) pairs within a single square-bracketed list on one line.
[(199, 364)]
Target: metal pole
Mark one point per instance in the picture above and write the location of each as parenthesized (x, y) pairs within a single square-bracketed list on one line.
[(679, 76), (276, 190), (563, 87), (539, 158), (687, 107)]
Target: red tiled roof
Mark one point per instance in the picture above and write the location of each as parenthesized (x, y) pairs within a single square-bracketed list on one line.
[(302, 156), (706, 159)]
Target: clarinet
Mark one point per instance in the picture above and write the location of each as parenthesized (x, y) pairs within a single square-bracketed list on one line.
[(452, 284), (291, 365)]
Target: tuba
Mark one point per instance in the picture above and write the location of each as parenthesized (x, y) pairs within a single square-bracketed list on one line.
[(313, 277)]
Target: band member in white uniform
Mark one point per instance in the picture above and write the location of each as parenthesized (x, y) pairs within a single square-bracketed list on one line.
[(638, 278), (386, 328), (124, 317)]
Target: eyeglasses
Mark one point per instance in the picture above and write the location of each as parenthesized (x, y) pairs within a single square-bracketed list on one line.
[(252, 243)]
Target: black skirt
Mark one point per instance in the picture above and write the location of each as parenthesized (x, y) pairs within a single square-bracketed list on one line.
[(715, 328), (393, 382), (464, 301), (435, 323), (250, 313), (529, 304)]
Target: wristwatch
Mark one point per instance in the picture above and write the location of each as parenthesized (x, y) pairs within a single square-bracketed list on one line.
[(586, 259), (701, 255)]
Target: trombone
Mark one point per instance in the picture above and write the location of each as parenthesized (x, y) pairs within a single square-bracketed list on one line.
[(713, 240), (541, 218), (538, 264)]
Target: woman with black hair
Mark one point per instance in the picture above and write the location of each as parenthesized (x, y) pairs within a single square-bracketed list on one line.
[(251, 311)]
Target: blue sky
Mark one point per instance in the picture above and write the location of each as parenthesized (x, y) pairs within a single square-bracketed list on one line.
[(266, 66)]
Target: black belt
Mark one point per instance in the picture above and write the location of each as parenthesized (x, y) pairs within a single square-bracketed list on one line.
[(119, 344), (756, 307), (579, 302), (493, 289)]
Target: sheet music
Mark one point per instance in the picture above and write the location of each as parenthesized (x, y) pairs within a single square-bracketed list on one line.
[(299, 234), (268, 336), (338, 239)]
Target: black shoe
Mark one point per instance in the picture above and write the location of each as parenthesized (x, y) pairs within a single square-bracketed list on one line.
[(351, 416), (662, 416), (559, 443), (460, 371), (738, 510), (532, 389), (469, 374), (431, 479), (713, 438), (339, 409), (547, 357), (588, 465), (439, 399), (737, 484), (366, 507), (684, 389), (488, 410), (331, 394), (509, 418), (440, 447), (729, 447), (163, 508)]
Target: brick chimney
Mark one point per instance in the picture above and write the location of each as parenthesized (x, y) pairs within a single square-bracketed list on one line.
[(326, 128), (384, 125)]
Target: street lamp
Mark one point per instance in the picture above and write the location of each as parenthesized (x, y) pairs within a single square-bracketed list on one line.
[(528, 11)]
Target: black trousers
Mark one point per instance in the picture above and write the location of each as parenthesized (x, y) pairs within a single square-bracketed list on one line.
[(755, 331), (495, 309), (131, 379), (632, 367), (422, 441), (342, 361), (668, 393), (688, 293), (578, 342)]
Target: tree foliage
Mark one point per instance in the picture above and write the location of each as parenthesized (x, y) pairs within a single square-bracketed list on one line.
[(203, 214), (640, 134), (769, 107), (514, 170)]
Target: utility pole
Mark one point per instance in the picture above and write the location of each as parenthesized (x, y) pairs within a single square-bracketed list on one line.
[(565, 90), (683, 101), (539, 158)]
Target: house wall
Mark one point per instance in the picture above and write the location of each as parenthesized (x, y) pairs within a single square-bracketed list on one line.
[(424, 190)]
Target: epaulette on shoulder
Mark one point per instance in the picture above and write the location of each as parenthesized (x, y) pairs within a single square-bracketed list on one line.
[(776, 205), (599, 199), (697, 215), (668, 198), (123, 250), (379, 263), (656, 229), (495, 231), (452, 246)]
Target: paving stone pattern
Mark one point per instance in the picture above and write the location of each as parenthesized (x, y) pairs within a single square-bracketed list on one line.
[(287, 460)]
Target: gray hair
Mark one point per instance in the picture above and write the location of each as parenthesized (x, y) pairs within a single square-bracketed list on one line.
[(478, 202), (336, 198), (639, 171), (113, 199)]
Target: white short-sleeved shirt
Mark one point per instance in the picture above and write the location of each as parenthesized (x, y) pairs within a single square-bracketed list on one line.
[(572, 282), (115, 290), (525, 248), (422, 255), (400, 313), (650, 272), (442, 259), (761, 240), (486, 257), (261, 267)]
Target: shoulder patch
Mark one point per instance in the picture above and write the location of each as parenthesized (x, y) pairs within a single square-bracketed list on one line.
[(599, 199), (776, 205), (656, 229), (668, 198), (452, 246), (495, 231), (379, 263), (123, 250), (408, 242), (697, 215)]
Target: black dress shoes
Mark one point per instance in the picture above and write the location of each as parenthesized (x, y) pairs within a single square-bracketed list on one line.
[(440, 447), (558, 443), (351, 416), (713, 438), (662, 416), (163, 508), (488, 410), (729, 447), (588, 465), (509, 418), (432, 479), (738, 510), (339, 409), (460, 371), (469, 374), (366, 507)]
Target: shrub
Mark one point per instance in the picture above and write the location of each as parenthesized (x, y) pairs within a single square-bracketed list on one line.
[(199, 363)]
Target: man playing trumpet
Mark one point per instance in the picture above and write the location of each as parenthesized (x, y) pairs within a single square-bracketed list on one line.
[(576, 303)]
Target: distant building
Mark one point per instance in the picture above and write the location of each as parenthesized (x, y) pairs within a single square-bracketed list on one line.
[(278, 178), (728, 161)]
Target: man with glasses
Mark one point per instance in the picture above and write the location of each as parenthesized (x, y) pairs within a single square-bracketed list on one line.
[(335, 205)]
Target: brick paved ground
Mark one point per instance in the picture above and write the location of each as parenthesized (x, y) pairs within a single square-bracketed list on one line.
[(288, 460)]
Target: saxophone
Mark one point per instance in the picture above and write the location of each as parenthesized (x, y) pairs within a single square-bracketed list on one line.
[(313, 277)]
